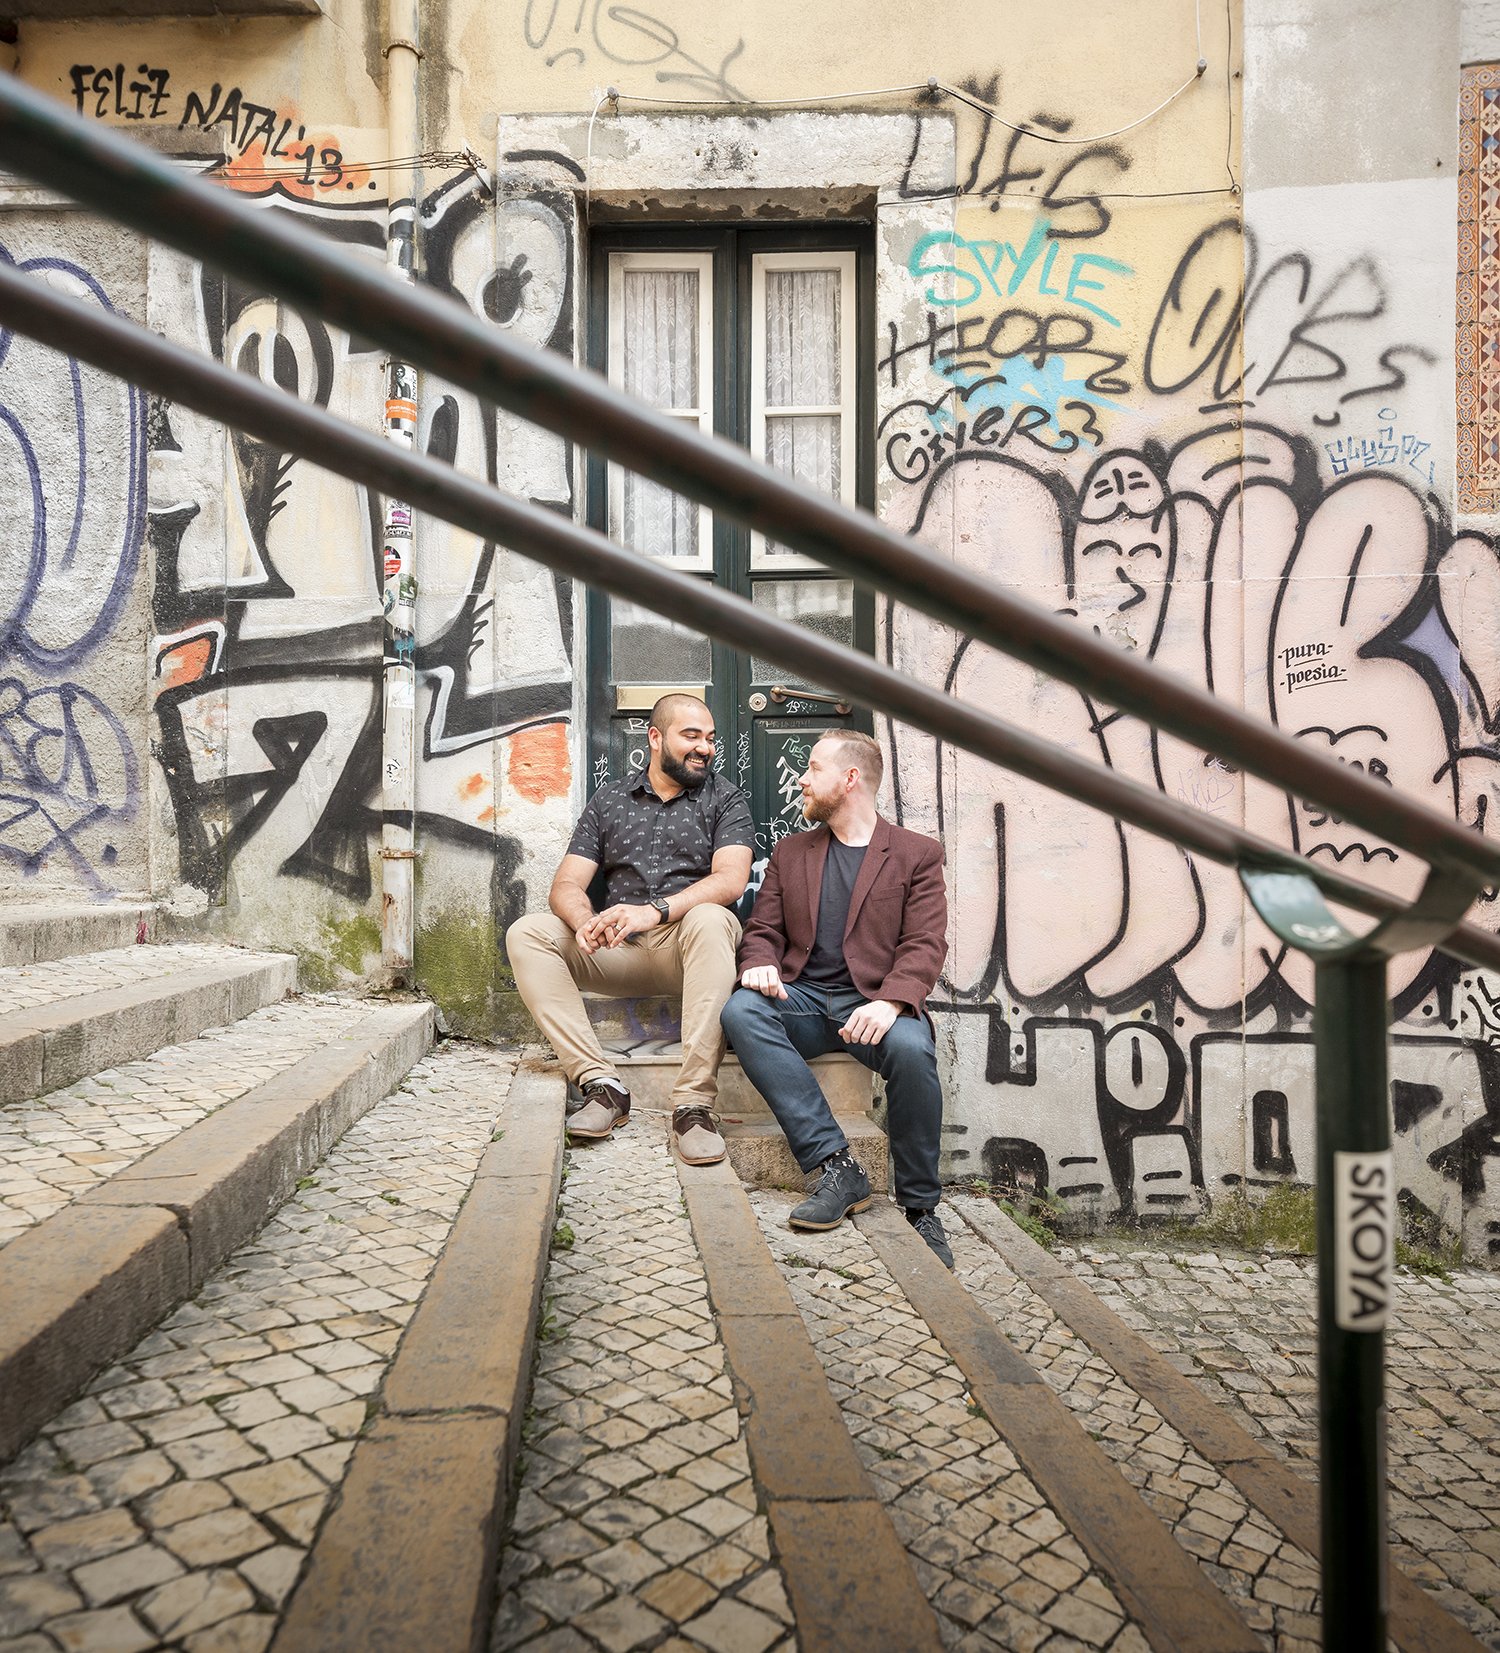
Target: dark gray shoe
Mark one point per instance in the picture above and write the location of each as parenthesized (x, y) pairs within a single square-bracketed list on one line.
[(843, 1187), (930, 1228)]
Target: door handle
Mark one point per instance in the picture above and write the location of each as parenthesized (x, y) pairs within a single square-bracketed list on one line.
[(781, 693)]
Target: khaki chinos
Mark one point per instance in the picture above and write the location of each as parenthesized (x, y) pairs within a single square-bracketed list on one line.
[(692, 957)]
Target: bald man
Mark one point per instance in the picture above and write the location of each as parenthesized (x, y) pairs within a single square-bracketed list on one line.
[(674, 843)]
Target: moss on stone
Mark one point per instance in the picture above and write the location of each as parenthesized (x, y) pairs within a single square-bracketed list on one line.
[(344, 946)]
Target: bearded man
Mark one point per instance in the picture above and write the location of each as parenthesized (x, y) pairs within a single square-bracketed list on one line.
[(841, 952), (674, 845)]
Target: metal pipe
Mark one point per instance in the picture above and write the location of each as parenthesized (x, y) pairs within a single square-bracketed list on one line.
[(129, 183), (115, 345), (398, 677)]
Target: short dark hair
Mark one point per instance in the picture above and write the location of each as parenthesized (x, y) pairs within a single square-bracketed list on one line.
[(859, 751), (665, 708)]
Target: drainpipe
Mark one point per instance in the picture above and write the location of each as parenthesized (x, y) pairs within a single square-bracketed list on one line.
[(399, 589)]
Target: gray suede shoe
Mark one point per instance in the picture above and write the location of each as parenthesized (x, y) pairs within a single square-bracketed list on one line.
[(695, 1136), (606, 1107)]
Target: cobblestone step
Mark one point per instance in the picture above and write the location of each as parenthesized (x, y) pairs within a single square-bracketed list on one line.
[(55, 1147), (175, 1505), (73, 1017), (1020, 1533), (1248, 1514), (33, 932), (79, 1287), (635, 1519), (407, 1559)]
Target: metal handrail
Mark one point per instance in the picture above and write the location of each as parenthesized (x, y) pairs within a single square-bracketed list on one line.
[(131, 184)]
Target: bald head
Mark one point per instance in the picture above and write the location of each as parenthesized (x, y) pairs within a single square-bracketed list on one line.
[(672, 708)]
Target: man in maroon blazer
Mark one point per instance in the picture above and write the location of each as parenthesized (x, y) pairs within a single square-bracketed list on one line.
[(843, 947)]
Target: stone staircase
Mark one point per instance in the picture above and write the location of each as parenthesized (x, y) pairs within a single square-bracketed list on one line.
[(312, 1338)]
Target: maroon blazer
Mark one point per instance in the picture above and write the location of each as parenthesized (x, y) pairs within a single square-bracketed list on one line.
[(897, 936)]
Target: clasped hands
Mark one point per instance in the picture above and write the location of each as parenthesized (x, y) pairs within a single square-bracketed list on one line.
[(615, 926), (868, 1025)]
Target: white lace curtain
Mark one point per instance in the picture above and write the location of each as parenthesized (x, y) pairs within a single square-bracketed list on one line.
[(660, 331), (802, 371)]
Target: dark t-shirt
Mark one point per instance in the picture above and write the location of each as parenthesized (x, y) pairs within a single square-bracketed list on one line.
[(825, 965)]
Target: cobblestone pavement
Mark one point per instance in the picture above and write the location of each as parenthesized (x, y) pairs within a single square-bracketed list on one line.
[(174, 1505), (27, 986), (58, 1145), (634, 1519), (1244, 1327), (995, 1561), (1272, 1582)]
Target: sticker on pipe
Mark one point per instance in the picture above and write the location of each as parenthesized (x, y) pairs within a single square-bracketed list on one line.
[(1364, 1240)]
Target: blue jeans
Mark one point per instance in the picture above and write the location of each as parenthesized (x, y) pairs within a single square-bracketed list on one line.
[(774, 1040)]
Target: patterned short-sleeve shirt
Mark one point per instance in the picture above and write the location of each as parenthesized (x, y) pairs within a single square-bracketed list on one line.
[(649, 848)]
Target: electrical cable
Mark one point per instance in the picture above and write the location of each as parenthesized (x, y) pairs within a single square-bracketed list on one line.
[(931, 86)]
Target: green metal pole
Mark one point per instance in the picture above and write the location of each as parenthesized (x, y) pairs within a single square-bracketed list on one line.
[(1356, 1208)]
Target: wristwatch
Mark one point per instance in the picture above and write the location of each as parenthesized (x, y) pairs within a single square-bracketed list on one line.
[(664, 908)]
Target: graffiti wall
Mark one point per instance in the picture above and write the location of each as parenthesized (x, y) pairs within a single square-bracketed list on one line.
[(73, 491), (192, 662), (1221, 437)]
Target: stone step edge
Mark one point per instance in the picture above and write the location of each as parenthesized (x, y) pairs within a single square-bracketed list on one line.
[(52, 1045), (82, 1287), (408, 1554), (1418, 1624), (847, 1574), (1163, 1589), (38, 932)]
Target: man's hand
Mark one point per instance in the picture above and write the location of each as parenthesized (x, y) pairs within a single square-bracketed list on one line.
[(764, 978), (870, 1023), (615, 925)]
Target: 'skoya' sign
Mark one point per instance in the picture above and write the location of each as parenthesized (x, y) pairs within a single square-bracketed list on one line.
[(1364, 1239)]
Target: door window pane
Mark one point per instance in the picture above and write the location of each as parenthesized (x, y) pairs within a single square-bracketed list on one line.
[(802, 378), (825, 607), (655, 521), (803, 316), (661, 351), (648, 648), (806, 446), (660, 335)]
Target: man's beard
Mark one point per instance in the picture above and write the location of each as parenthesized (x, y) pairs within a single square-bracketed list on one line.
[(679, 770), (816, 810)]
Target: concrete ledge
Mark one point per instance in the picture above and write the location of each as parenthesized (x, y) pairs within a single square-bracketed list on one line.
[(1163, 1589), (81, 1288), (58, 1044), (849, 1578), (75, 1292), (35, 932), (1418, 1624), (649, 1076), (407, 1559), (761, 1157)]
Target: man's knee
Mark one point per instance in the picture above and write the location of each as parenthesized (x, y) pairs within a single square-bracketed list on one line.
[(909, 1046), (532, 930), (710, 919), (743, 1009)]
